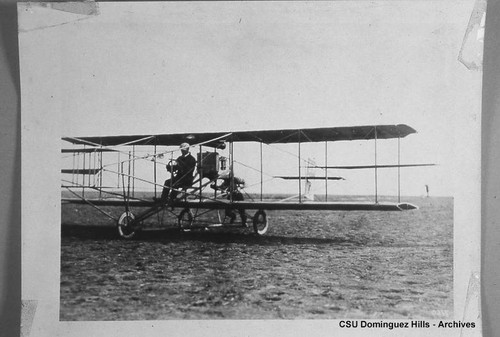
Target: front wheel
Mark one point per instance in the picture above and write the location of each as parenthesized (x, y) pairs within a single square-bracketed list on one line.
[(260, 224), (126, 226), (185, 219)]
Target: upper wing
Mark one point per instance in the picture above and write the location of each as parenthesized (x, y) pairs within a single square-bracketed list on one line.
[(215, 139)]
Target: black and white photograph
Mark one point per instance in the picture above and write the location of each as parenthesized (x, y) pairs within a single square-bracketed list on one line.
[(251, 168)]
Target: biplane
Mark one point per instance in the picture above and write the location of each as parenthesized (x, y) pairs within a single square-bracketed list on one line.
[(105, 172)]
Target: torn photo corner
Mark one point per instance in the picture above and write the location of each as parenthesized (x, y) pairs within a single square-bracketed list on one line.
[(221, 167)]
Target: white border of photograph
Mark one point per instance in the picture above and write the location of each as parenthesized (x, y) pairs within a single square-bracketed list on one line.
[(57, 101)]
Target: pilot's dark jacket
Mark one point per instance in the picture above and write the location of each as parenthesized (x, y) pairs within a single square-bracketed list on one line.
[(182, 176), (183, 170)]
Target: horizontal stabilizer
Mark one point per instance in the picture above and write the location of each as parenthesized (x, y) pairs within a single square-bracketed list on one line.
[(80, 171), (308, 178), (371, 166), (72, 187), (87, 150)]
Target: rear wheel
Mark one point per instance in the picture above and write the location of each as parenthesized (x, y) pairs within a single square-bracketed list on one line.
[(260, 224), (185, 219), (127, 229)]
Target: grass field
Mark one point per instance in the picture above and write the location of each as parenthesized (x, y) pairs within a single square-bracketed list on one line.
[(310, 265)]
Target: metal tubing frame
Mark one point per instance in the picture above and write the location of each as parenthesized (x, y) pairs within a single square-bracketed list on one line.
[(95, 162), (154, 170), (326, 171), (125, 199), (133, 171), (261, 172), (86, 201), (300, 176), (83, 175), (139, 179), (73, 174), (100, 174), (201, 169), (399, 169), (171, 173), (118, 170), (142, 157), (231, 171), (216, 166), (376, 171), (128, 178)]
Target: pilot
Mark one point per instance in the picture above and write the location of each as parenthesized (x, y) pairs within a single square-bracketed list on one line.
[(182, 170)]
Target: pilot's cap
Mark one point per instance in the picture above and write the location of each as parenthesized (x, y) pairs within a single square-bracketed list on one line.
[(184, 146)]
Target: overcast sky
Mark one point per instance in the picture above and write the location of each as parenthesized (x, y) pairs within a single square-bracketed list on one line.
[(170, 67)]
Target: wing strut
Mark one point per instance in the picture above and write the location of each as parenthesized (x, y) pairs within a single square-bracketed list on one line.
[(155, 173), (83, 190), (201, 169), (376, 169), (231, 170), (326, 171), (399, 169), (261, 172), (300, 178)]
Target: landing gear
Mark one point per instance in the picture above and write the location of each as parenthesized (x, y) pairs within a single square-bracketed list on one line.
[(127, 229), (185, 219), (260, 224)]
